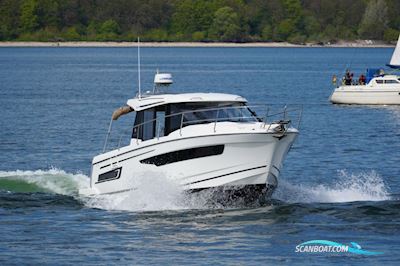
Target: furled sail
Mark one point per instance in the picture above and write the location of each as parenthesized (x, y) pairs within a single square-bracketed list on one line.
[(121, 111), (395, 61)]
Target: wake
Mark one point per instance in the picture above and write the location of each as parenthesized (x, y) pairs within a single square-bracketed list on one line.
[(155, 192), (367, 186)]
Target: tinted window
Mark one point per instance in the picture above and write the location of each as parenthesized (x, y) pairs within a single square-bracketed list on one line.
[(182, 155), (391, 81), (201, 113), (110, 175), (149, 123), (379, 81)]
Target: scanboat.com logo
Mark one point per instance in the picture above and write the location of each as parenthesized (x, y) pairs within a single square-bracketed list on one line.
[(321, 246)]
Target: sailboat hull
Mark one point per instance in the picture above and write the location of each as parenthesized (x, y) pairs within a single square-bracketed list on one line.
[(366, 95)]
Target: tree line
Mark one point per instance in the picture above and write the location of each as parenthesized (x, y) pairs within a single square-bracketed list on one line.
[(295, 21)]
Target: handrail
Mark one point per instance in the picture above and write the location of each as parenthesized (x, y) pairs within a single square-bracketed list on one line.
[(263, 119)]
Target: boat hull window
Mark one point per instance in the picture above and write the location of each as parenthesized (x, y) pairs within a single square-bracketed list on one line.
[(110, 175), (183, 155)]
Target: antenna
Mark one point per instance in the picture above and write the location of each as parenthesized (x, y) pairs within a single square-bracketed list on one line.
[(138, 58)]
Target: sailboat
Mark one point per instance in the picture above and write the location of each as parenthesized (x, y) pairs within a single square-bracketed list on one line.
[(375, 87)]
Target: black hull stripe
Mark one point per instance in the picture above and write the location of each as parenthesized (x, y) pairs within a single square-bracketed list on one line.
[(241, 171), (116, 192), (256, 186), (238, 188), (136, 156), (266, 133), (125, 158)]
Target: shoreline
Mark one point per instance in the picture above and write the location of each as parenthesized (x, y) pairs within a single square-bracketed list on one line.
[(340, 44)]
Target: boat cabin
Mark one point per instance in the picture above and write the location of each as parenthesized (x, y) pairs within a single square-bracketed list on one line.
[(389, 79), (159, 115)]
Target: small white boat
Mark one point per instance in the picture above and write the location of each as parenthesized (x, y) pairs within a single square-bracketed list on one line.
[(199, 140), (378, 87)]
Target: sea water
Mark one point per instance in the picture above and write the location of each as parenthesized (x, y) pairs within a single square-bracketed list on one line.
[(340, 181)]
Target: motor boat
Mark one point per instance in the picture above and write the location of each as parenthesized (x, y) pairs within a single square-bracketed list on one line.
[(375, 87), (198, 140)]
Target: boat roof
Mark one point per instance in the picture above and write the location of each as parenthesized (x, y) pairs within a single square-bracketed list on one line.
[(150, 101)]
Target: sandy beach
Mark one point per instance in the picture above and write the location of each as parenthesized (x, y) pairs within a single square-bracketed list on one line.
[(344, 44)]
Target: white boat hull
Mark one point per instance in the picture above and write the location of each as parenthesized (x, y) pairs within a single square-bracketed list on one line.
[(366, 95), (252, 155)]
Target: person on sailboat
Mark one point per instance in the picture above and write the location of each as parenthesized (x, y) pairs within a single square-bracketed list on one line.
[(362, 79), (334, 80), (348, 77)]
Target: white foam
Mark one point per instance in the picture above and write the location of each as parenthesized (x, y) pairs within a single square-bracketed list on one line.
[(152, 191), (368, 186)]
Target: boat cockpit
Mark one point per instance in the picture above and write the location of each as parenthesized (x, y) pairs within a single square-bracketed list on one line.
[(162, 120)]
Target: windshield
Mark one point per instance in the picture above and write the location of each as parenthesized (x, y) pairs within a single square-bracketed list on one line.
[(200, 113)]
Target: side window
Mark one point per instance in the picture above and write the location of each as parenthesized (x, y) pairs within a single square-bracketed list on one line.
[(145, 124), (137, 129), (379, 81), (172, 121), (391, 81), (160, 123), (149, 126)]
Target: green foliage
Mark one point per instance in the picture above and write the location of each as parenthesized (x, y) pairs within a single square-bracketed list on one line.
[(29, 19), (192, 15), (199, 36), (295, 21), (156, 35), (71, 34), (108, 31), (294, 10), (374, 21), (9, 19), (48, 13), (391, 35), (311, 25), (226, 25), (285, 29), (266, 34), (92, 29), (297, 38), (109, 27)]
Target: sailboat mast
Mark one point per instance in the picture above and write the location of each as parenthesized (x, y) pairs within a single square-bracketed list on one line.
[(138, 51)]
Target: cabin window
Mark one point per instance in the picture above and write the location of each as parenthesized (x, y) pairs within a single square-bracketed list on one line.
[(160, 123), (183, 155), (206, 112), (162, 120), (379, 81), (149, 123), (391, 81)]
